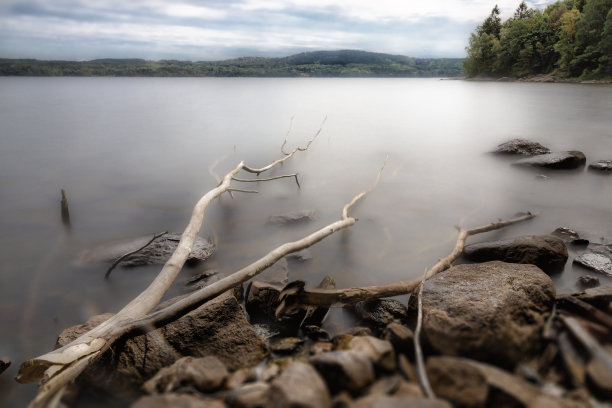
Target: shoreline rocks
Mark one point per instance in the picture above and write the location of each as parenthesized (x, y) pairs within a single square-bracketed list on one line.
[(603, 166), (521, 147), (568, 160)]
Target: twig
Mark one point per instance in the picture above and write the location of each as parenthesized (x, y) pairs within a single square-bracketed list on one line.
[(65, 211), (239, 190), (287, 136), (294, 175), (418, 352), (122, 257)]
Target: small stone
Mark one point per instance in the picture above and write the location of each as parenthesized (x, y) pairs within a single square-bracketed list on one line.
[(560, 160), (385, 401), (566, 234), (287, 345), (341, 341), (521, 146), (239, 377), (381, 312), (588, 281), (316, 333), (321, 347), (254, 395), (603, 166), (457, 382), (344, 370), (4, 364), (206, 374), (299, 386), (386, 385), (293, 217), (300, 257), (359, 331), (411, 389), (176, 400), (380, 352), (401, 337), (271, 371), (342, 400)]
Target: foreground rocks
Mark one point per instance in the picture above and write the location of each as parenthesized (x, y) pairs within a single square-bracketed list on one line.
[(493, 311), (568, 160), (522, 147), (548, 252)]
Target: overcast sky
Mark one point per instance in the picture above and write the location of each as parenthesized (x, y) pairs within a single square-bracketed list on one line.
[(219, 29)]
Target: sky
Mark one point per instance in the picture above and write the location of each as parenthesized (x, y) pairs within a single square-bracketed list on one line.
[(220, 29)]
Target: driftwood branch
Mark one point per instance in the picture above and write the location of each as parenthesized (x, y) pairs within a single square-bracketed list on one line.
[(65, 210), (418, 352), (122, 257)]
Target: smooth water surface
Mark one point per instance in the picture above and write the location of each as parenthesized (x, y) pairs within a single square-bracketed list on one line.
[(134, 155)]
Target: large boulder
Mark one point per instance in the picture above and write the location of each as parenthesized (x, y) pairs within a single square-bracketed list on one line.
[(571, 159), (521, 146), (217, 328), (548, 252), (494, 311)]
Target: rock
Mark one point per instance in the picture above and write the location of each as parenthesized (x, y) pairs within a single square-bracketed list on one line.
[(4, 364), (262, 299), (277, 274), (600, 296), (293, 217), (156, 253), (299, 386), (287, 345), (359, 331), (603, 166), (341, 341), (588, 281), (411, 389), (560, 160), (344, 370), (300, 257), (521, 146), (218, 327), (454, 380), (321, 347), (598, 259), (315, 333), (381, 312), (254, 395), (492, 311), (206, 374), (380, 352), (202, 279), (401, 337), (385, 401), (315, 315), (176, 401), (239, 377), (386, 385), (570, 236), (342, 400), (545, 251)]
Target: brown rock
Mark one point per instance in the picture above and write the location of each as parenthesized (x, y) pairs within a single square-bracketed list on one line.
[(254, 395), (299, 386), (386, 385), (287, 345), (381, 312), (380, 352), (548, 252), (206, 374), (344, 370), (401, 337), (453, 380), (385, 401), (176, 401), (321, 347), (568, 160), (493, 311), (410, 389), (521, 146)]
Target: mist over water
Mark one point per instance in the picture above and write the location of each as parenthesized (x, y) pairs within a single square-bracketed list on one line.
[(133, 155)]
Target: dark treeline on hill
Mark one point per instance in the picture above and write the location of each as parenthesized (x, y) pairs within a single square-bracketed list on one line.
[(345, 63), (570, 38)]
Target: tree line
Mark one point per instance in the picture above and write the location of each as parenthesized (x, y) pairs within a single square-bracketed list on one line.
[(570, 38)]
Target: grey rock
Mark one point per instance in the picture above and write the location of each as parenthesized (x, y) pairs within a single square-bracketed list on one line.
[(262, 299), (603, 166), (176, 401), (4, 364), (566, 234), (156, 253), (132, 361), (521, 146), (302, 256), (381, 312), (380, 352), (299, 386), (293, 217), (277, 274), (206, 374), (254, 395), (385, 401), (316, 333), (401, 337), (559, 160), (454, 380), (548, 252), (492, 311), (588, 281), (344, 370), (598, 259)]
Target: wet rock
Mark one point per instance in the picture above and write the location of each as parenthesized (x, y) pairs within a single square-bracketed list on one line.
[(156, 253), (454, 380), (4, 364), (202, 279), (270, 371), (570, 236), (386, 385), (559, 160), (262, 299), (176, 401), (341, 341), (603, 166), (492, 311), (380, 352), (545, 251), (287, 345), (401, 337), (344, 370), (588, 281), (598, 259), (321, 347), (342, 400), (521, 146), (299, 386), (302, 256), (277, 274), (385, 401), (254, 395), (206, 374), (600, 296), (381, 312), (411, 389), (218, 327), (316, 333), (239, 377), (293, 217), (359, 331)]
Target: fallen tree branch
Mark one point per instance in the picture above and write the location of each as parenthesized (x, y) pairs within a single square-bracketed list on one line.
[(122, 257), (418, 352)]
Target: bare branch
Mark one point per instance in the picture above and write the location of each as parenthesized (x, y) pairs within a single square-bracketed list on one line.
[(239, 190), (418, 352), (122, 257), (286, 137)]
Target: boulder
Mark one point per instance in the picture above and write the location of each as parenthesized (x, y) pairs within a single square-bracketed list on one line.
[(156, 253), (493, 311), (454, 380), (344, 370), (385, 401), (176, 401), (206, 374), (293, 217), (559, 160), (380, 352), (299, 386), (598, 259), (521, 146), (603, 166), (218, 327), (547, 252)]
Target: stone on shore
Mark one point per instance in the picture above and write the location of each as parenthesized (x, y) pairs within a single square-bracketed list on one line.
[(380, 352), (559, 160), (521, 146), (386, 401), (381, 312), (603, 166), (494, 311), (218, 327), (344, 370), (253, 395), (299, 386), (598, 259), (548, 252), (176, 401), (206, 374), (460, 383)]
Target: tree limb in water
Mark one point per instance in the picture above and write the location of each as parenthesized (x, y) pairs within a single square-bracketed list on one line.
[(122, 257)]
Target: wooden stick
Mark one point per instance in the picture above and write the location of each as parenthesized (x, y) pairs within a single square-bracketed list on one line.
[(418, 352), (65, 210), (122, 257), (294, 175)]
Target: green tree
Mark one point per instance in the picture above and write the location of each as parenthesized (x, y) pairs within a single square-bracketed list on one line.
[(589, 33)]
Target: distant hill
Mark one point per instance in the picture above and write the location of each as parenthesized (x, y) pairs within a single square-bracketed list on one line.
[(342, 63)]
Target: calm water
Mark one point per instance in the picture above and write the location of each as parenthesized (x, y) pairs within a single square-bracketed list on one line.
[(134, 156)]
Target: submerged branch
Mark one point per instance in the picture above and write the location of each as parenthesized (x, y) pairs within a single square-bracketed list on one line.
[(122, 257)]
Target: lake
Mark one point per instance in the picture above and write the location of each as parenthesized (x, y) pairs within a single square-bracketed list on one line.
[(134, 155)]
